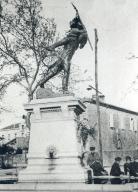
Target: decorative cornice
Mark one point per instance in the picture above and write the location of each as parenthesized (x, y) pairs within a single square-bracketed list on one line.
[(51, 109)]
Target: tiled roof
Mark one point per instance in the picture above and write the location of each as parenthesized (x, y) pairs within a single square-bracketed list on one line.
[(88, 100)]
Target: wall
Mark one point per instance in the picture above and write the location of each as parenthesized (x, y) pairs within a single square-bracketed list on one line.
[(119, 133)]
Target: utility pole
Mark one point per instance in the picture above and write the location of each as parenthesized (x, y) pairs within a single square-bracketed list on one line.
[(96, 84), (97, 97)]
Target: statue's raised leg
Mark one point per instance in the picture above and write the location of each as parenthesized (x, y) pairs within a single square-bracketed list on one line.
[(53, 70), (65, 80)]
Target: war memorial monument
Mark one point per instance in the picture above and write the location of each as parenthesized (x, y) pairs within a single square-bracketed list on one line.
[(53, 163), (53, 149)]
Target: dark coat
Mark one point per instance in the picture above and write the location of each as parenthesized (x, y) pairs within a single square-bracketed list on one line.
[(116, 171), (92, 157), (127, 167), (134, 169), (98, 170)]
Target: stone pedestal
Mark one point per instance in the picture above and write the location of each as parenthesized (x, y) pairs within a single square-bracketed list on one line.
[(53, 147)]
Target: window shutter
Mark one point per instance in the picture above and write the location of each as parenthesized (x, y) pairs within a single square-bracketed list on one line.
[(111, 120), (122, 126), (135, 124), (131, 128)]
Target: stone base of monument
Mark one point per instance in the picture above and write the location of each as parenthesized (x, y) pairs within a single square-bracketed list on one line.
[(53, 148), (64, 169)]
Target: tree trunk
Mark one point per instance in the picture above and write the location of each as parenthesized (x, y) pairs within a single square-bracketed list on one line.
[(28, 123), (30, 96)]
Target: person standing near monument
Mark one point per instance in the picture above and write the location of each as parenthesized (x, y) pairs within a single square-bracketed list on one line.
[(94, 162), (116, 171), (98, 170), (134, 169), (127, 165), (93, 156)]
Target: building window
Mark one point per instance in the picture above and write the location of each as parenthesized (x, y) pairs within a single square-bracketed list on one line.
[(111, 121), (119, 144), (122, 126), (9, 136), (133, 124), (17, 125), (131, 127), (23, 128)]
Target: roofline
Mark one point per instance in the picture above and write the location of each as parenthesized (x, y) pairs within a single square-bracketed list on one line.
[(8, 127), (110, 106)]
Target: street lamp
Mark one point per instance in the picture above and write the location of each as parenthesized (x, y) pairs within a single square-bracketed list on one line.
[(91, 87), (101, 95)]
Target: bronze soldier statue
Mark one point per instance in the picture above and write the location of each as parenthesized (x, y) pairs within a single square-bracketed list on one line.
[(76, 38)]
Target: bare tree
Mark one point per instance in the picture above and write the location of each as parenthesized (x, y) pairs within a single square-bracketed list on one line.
[(24, 34)]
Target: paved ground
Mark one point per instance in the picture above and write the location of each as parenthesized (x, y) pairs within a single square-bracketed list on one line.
[(65, 187)]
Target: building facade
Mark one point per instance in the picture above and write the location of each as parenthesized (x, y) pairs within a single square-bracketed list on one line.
[(119, 130), (15, 134)]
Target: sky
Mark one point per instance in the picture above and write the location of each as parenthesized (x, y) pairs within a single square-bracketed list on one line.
[(117, 24)]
